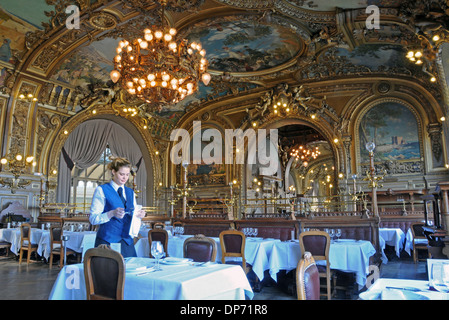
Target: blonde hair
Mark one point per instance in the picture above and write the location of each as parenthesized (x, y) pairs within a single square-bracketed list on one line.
[(117, 163)]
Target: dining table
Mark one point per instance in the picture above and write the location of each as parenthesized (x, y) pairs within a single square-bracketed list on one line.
[(347, 255), (179, 279), (13, 236), (257, 250), (402, 289), (79, 241), (394, 237)]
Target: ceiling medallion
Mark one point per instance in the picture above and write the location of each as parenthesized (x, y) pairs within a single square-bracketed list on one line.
[(102, 21), (157, 68)]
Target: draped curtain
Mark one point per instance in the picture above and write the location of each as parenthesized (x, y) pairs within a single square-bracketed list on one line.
[(85, 146)]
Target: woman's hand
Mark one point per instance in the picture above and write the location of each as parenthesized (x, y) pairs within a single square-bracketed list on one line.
[(118, 213), (140, 213)]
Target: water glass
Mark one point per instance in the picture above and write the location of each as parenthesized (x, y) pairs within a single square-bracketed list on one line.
[(439, 277), (157, 251)]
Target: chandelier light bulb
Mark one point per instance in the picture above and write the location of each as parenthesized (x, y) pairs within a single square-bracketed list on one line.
[(206, 78), (148, 36), (144, 44), (158, 34)]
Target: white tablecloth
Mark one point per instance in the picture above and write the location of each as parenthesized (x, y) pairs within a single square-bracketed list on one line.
[(174, 282), (12, 236), (344, 254), (408, 247), (257, 251), (78, 242), (378, 290), (393, 237)]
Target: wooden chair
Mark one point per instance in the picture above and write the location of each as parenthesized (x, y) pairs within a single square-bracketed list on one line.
[(5, 245), (158, 235), (307, 278), (159, 225), (418, 234), (200, 248), (56, 246), (104, 274), (25, 242), (318, 243), (232, 244)]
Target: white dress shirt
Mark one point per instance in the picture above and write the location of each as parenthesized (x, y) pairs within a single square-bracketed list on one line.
[(97, 216)]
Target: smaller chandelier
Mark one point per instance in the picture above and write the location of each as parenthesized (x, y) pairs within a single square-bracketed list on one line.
[(158, 69), (303, 154)]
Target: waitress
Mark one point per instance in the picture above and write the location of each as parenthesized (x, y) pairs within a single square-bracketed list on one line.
[(113, 208)]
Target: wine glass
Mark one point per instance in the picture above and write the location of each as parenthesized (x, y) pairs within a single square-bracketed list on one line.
[(338, 234), (256, 231), (332, 233), (157, 251)]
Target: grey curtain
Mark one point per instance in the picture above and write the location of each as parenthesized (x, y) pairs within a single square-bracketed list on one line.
[(86, 144)]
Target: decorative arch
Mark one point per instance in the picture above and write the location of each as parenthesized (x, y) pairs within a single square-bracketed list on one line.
[(141, 136)]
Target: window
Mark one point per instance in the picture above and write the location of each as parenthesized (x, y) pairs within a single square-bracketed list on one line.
[(84, 181)]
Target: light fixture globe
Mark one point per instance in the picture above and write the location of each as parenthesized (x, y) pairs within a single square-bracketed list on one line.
[(370, 146), (158, 69)]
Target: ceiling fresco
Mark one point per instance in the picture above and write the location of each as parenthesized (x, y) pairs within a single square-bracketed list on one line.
[(238, 44)]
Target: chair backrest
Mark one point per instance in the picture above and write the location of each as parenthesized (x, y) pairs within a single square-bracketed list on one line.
[(307, 278), (232, 244), (104, 273), (159, 225), (160, 235), (200, 248), (55, 235), (317, 243), (418, 231), (25, 232)]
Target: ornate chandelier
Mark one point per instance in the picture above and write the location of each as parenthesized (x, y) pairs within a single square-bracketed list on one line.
[(303, 154), (157, 68)]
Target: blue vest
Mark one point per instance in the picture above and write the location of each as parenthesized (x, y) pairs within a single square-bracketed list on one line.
[(116, 229)]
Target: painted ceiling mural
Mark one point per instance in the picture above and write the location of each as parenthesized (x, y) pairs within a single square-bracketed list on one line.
[(238, 44)]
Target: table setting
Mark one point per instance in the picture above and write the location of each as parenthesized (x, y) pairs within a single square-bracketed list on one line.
[(257, 250), (435, 288), (160, 278)]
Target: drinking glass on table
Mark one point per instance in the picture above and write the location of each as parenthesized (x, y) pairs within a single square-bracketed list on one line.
[(439, 277), (157, 251), (338, 234), (332, 233)]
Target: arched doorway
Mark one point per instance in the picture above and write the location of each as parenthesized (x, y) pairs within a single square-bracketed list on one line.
[(84, 150)]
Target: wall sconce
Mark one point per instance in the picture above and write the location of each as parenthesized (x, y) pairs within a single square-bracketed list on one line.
[(17, 166)]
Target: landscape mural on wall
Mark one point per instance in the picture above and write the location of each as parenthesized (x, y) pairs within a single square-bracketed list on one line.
[(394, 130)]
